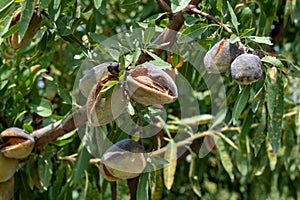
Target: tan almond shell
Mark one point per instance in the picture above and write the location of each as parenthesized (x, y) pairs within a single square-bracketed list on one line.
[(8, 168), (124, 160), (101, 111), (32, 29), (246, 69), (150, 85), (21, 143), (87, 82), (7, 189), (219, 58)]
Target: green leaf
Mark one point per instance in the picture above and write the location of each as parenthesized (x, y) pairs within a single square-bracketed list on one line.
[(220, 5), (272, 60), (97, 3), (41, 107), (129, 4), (178, 5), (26, 15), (98, 38), (272, 156), (158, 187), (170, 168), (193, 176), (234, 38), (260, 133), (148, 35), (143, 187), (11, 30), (6, 6), (82, 163), (262, 40), (240, 103), (234, 20), (5, 3), (64, 94), (192, 33), (158, 61), (4, 26), (45, 168), (275, 107), (225, 158), (243, 154), (56, 4)]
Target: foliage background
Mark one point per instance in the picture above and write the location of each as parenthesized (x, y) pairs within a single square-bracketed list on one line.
[(36, 83)]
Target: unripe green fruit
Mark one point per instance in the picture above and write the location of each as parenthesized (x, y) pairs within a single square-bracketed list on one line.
[(246, 69), (32, 29), (17, 143), (219, 58), (150, 85), (124, 160), (8, 168)]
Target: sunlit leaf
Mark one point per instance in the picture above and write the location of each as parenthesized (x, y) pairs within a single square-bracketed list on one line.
[(170, 168), (259, 39), (272, 156), (234, 20), (194, 179), (225, 158), (45, 169), (42, 107), (178, 5), (158, 187), (272, 60), (275, 108)]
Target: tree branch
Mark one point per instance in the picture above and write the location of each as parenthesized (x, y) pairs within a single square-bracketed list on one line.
[(59, 128)]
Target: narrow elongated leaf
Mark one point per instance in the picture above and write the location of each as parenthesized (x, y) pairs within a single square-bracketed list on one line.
[(158, 187), (4, 26), (240, 104), (272, 60), (260, 133), (243, 154), (220, 5), (82, 162), (45, 169), (170, 168), (262, 40), (26, 15), (143, 187), (97, 3), (225, 158), (234, 20), (275, 109), (193, 32), (272, 156), (6, 7), (193, 176)]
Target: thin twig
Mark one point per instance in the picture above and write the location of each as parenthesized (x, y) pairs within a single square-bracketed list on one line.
[(193, 9), (185, 141)]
